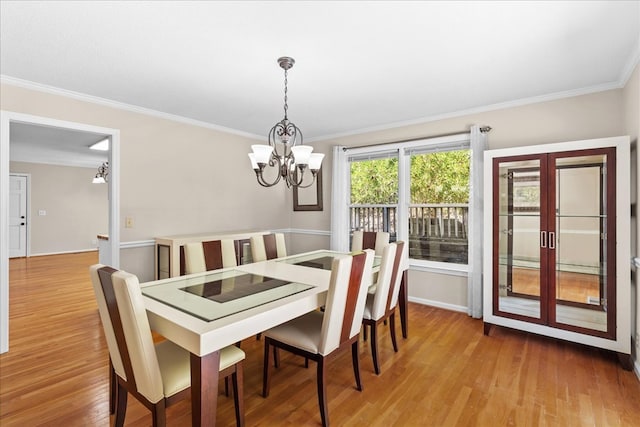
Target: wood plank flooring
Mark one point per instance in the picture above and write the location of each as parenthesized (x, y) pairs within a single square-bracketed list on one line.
[(447, 373)]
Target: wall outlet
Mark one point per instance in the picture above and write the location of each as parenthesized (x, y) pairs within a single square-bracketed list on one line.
[(128, 222), (42, 212), (94, 242)]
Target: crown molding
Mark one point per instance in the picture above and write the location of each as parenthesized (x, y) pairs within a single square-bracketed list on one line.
[(26, 84), (491, 107), (632, 62)]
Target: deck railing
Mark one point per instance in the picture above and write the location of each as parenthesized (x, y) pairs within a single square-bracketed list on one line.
[(437, 232)]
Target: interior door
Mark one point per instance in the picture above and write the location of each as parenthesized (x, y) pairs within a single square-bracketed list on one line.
[(17, 216)]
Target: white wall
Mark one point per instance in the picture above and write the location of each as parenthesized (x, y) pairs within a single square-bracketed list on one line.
[(175, 178), (76, 209)]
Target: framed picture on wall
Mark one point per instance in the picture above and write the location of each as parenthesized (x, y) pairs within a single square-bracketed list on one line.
[(310, 198)]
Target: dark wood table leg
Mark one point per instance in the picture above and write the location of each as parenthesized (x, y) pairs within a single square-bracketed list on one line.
[(204, 389), (403, 302)]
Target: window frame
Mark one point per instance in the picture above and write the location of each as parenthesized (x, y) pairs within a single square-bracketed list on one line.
[(403, 150)]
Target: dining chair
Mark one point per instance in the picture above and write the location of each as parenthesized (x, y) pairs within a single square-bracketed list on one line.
[(318, 335), (212, 255), (381, 305), (268, 246), (375, 240), (157, 375)]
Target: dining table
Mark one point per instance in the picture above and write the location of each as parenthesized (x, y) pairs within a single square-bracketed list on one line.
[(205, 312)]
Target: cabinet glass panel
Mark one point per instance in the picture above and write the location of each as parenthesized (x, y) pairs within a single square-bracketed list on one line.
[(518, 236), (581, 254)]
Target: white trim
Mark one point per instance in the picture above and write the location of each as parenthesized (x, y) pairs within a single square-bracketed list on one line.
[(26, 84), (8, 117), (305, 231), (4, 225), (632, 62), (137, 244), (74, 251), (438, 304)]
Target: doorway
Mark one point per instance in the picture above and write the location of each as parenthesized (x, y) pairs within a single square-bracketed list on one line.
[(7, 119)]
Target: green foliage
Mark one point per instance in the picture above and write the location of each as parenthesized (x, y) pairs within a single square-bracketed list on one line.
[(374, 181), (440, 177), (435, 178)]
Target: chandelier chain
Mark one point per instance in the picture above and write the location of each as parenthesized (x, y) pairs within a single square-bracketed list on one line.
[(285, 94)]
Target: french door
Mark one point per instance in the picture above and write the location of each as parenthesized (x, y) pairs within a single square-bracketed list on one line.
[(554, 239)]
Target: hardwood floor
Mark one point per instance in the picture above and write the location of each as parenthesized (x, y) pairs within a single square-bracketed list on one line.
[(447, 373)]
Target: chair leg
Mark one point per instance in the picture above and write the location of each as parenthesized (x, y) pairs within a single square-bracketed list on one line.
[(392, 329), (276, 357), (265, 368), (159, 415), (374, 347), (113, 388), (356, 364), (237, 378), (364, 332), (121, 405), (322, 393), (226, 386)]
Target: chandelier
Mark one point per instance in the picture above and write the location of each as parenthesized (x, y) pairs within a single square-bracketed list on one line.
[(103, 173), (285, 150)]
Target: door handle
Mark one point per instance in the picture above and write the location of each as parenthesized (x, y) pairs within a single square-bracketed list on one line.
[(543, 239), (552, 240), (22, 223), (22, 217)]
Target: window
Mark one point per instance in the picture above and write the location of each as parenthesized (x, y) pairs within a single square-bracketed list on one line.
[(439, 205), (374, 193), (417, 191)]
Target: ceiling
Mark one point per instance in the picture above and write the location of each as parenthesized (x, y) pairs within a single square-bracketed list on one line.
[(45, 144), (359, 65)]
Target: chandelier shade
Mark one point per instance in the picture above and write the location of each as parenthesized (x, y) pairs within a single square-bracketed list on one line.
[(285, 150)]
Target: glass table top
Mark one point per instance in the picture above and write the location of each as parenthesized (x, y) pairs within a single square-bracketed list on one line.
[(320, 259), (219, 294)]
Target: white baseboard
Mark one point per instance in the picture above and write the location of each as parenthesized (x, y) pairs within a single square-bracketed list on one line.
[(439, 304), (64, 252)]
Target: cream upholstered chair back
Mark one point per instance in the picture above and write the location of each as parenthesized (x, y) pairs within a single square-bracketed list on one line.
[(375, 240), (346, 297), (396, 275), (212, 255), (268, 246), (383, 285), (137, 354), (105, 318), (137, 332)]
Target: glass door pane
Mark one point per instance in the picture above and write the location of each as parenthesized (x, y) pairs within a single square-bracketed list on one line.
[(580, 272), (518, 238)]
